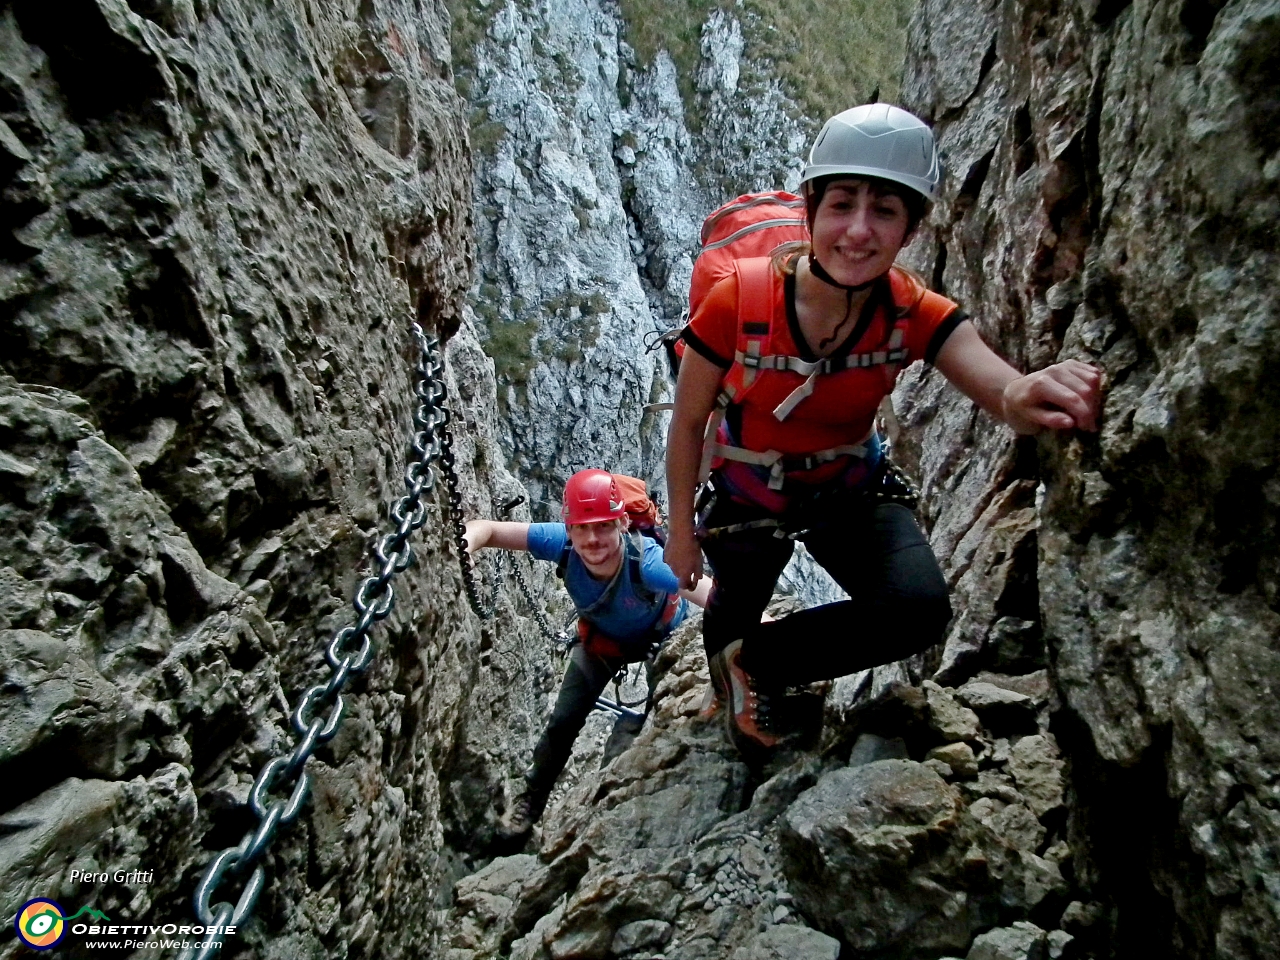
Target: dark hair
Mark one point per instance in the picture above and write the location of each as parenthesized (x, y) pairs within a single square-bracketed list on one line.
[(916, 204)]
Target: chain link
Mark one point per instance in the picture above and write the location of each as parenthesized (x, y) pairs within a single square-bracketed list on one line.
[(348, 654), (559, 637), (548, 631), (470, 581)]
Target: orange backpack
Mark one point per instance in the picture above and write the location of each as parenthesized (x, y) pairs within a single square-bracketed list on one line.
[(753, 225), (642, 513)]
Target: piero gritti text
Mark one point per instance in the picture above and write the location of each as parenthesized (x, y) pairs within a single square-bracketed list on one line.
[(120, 876)]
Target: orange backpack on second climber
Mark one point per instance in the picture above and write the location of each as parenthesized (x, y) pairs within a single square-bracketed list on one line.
[(642, 513)]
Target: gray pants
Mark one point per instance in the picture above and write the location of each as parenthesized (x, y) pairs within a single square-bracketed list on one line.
[(584, 680)]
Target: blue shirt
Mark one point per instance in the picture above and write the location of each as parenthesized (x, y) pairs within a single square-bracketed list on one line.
[(628, 615)]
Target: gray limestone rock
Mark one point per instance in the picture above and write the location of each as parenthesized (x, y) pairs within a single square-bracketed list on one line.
[(1022, 941), (861, 853), (1037, 770), (1110, 168), (958, 756), (789, 943), (1058, 941), (1001, 710), (869, 748), (640, 937), (228, 218), (952, 721)]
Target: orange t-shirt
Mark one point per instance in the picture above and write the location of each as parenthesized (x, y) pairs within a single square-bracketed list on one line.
[(843, 404)]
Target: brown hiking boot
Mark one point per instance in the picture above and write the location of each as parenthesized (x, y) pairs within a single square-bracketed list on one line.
[(746, 707), (524, 813)]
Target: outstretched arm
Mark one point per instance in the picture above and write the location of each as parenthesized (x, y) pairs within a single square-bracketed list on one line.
[(1063, 396), (503, 534), (696, 389), (699, 594)]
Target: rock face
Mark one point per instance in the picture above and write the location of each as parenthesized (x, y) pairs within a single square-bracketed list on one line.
[(1113, 198), (218, 226), (589, 212)]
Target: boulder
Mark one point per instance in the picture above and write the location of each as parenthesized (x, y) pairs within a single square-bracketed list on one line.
[(1037, 770), (868, 748), (788, 942), (1022, 941), (871, 851), (952, 721), (1001, 710), (958, 756)]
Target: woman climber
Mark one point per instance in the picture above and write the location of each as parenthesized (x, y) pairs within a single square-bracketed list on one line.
[(790, 357), (627, 600)]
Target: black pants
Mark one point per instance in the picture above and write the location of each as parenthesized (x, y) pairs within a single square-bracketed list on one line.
[(875, 551), (584, 680)]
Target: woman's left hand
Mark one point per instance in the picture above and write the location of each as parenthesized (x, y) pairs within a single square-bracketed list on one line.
[(1065, 396)]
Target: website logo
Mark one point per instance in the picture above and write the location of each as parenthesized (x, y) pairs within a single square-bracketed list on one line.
[(41, 923)]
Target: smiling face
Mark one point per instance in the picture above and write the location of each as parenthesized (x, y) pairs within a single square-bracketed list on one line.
[(858, 229), (598, 545)]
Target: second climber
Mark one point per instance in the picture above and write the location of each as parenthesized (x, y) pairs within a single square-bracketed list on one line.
[(627, 600)]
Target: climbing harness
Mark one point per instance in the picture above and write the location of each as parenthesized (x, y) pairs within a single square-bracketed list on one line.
[(349, 654), (891, 485), (752, 362), (641, 673)]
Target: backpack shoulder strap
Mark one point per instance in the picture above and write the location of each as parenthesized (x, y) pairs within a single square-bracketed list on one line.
[(633, 547), (755, 321), (635, 559), (563, 563), (755, 330)]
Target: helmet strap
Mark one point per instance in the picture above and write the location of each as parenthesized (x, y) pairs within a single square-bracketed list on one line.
[(819, 271)]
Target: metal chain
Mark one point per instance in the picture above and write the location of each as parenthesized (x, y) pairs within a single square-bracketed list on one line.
[(548, 631), (349, 654), (470, 581), (561, 637)]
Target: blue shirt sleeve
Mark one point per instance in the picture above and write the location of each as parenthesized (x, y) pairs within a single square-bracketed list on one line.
[(547, 540), (655, 573)]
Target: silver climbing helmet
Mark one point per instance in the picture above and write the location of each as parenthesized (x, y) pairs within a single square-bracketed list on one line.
[(878, 140)]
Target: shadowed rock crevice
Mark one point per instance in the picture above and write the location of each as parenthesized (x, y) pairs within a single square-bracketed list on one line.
[(198, 291), (84, 49)]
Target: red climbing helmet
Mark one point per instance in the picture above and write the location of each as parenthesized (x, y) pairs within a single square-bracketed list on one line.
[(591, 496)]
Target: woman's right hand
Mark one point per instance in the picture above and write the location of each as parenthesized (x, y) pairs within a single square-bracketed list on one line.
[(684, 556)]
